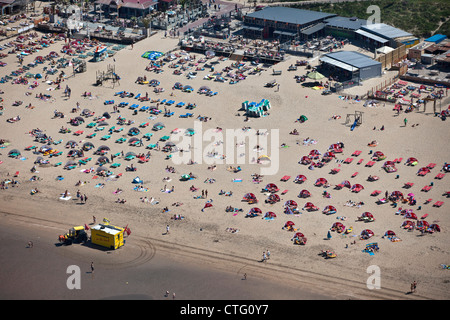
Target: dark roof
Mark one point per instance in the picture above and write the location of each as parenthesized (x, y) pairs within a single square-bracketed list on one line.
[(137, 4), (345, 23), (290, 15), (353, 58)]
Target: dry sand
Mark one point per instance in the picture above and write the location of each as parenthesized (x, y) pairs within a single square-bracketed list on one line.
[(202, 236)]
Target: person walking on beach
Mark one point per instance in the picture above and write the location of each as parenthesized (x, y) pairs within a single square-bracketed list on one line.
[(85, 198), (405, 121), (413, 287), (92, 267), (167, 229), (268, 254)]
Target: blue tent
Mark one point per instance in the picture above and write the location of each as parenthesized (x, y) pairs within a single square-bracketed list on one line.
[(152, 55)]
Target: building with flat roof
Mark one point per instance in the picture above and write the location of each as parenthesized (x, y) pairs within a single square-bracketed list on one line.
[(284, 23), (127, 8), (343, 27), (351, 64), (381, 34)]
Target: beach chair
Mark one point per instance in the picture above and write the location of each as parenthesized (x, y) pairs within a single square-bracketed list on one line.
[(375, 193), (370, 163), (360, 161), (438, 204), (111, 130), (79, 132), (408, 185), (91, 125), (440, 176), (151, 146), (105, 137), (130, 157), (58, 164), (30, 148), (426, 188), (99, 128), (180, 104), (144, 124), (148, 135), (285, 178), (399, 160), (55, 154), (356, 153), (118, 129), (355, 174), (348, 160), (115, 165), (428, 201), (431, 165), (284, 192), (92, 135), (335, 170), (164, 138)]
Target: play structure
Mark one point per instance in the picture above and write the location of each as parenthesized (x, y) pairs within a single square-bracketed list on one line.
[(110, 74), (253, 109), (355, 119)]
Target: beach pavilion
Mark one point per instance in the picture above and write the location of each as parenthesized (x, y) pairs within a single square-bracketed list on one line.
[(351, 65), (284, 23)]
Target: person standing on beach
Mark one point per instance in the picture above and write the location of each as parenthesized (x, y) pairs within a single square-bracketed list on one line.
[(405, 121), (85, 198), (167, 229), (92, 267)]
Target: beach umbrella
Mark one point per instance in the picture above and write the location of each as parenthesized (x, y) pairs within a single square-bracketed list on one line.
[(131, 153), (315, 75), (102, 123), (329, 209), (70, 163), (337, 225), (132, 140), (304, 194), (170, 144), (300, 178), (133, 131), (291, 203), (289, 224), (17, 152), (321, 181), (270, 214), (88, 146), (137, 180), (305, 160), (204, 88), (264, 157), (102, 160)]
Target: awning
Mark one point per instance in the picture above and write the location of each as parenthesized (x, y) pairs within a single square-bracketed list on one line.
[(253, 28), (285, 33), (338, 64), (313, 29), (371, 36)]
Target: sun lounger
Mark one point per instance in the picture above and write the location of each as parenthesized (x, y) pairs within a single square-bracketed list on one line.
[(426, 188), (58, 164), (134, 106), (130, 157), (148, 135), (99, 128), (438, 204), (355, 174), (30, 148), (79, 132), (91, 125), (440, 176), (56, 154), (164, 138), (144, 124), (360, 161), (399, 160), (180, 104), (431, 165), (348, 160), (106, 137), (335, 170), (285, 178), (428, 201), (408, 185), (356, 153), (375, 193), (151, 146), (370, 163), (118, 130), (284, 192), (91, 135), (115, 165)]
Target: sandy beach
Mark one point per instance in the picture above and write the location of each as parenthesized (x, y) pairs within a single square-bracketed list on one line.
[(202, 239)]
